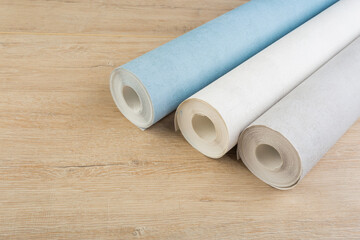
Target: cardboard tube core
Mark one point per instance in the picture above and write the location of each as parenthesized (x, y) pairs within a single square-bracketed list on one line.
[(204, 127), (269, 157), (132, 99)]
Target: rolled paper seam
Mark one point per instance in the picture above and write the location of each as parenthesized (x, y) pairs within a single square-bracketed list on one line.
[(285, 143), (154, 84), (242, 95)]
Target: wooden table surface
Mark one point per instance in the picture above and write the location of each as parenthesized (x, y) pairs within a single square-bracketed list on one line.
[(72, 167)]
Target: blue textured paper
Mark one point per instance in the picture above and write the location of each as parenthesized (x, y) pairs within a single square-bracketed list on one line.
[(178, 69)]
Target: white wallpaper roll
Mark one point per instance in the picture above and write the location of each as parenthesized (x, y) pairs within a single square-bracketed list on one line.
[(212, 119), (282, 145)]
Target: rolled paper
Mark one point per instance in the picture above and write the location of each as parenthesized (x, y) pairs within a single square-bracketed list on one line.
[(282, 145), (212, 119), (153, 85)]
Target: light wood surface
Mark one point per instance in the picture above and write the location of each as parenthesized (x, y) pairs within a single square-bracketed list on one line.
[(72, 167)]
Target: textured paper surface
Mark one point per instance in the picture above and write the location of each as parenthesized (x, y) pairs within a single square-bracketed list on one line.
[(311, 118), (246, 92), (178, 69)]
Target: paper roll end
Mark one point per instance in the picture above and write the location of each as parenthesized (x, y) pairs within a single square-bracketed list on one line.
[(270, 157), (202, 126), (131, 98)]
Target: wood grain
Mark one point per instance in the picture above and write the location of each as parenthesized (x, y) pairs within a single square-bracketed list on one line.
[(72, 167)]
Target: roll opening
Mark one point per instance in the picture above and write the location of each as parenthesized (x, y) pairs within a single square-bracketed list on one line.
[(132, 99), (269, 157), (204, 127)]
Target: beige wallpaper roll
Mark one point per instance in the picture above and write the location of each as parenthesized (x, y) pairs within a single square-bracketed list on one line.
[(282, 145)]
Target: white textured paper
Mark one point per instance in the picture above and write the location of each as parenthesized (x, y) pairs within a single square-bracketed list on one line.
[(246, 92), (309, 120)]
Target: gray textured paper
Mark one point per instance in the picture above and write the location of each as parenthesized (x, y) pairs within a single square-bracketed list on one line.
[(319, 111)]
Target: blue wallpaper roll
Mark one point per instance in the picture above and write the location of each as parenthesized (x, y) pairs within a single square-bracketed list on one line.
[(153, 85)]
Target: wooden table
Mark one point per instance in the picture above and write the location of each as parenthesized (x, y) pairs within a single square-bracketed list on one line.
[(72, 167)]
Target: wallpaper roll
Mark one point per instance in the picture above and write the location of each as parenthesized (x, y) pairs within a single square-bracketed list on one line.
[(283, 144), (212, 119), (153, 85)]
